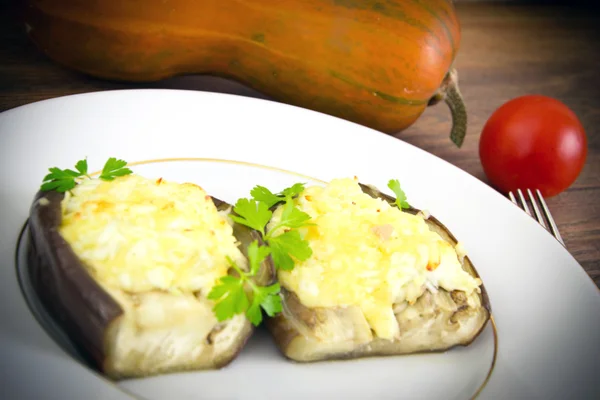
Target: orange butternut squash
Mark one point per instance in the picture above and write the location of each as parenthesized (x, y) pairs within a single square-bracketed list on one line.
[(378, 63)]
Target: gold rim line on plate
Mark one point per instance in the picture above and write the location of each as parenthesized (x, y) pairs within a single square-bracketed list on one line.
[(493, 364), (223, 161)]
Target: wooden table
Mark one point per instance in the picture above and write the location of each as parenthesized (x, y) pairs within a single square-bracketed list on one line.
[(506, 51)]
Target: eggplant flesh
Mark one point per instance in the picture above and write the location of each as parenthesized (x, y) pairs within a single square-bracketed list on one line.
[(435, 322), (127, 335)]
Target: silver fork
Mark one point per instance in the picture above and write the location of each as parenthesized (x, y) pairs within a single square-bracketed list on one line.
[(522, 202)]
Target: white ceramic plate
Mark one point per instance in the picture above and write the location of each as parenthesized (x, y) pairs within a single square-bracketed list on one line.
[(547, 310)]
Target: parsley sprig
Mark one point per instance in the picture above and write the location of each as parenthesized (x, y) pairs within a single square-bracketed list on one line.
[(401, 200), (231, 294), (63, 180), (256, 214), (264, 195), (114, 168)]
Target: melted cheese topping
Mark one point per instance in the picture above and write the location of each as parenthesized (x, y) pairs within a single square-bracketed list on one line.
[(369, 254), (139, 234)]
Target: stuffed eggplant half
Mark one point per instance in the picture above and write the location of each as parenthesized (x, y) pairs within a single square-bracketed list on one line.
[(125, 266), (381, 280)]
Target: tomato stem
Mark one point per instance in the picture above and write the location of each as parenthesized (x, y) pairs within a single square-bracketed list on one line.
[(449, 92)]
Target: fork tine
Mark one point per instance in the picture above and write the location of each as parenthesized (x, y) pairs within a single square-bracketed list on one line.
[(536, 209), (553, 226), (524, 202), (512, 198)]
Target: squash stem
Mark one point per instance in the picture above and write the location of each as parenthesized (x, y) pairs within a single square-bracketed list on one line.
[(450, 93)]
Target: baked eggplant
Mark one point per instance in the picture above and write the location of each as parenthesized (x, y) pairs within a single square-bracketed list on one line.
[(421, 308), (138, 323)]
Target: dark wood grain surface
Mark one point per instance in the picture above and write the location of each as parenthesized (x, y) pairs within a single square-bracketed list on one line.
[(506, 51)]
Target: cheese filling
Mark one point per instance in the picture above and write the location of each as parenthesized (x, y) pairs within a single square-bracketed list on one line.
[(139, 234), (369, 254)]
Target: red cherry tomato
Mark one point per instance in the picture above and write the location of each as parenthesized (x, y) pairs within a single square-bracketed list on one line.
[(533, 142)]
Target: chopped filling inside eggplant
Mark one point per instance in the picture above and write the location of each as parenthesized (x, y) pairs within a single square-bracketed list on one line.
[(369, 254)]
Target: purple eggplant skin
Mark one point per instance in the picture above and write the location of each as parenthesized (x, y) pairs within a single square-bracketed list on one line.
[(84, 309), (303, 334)]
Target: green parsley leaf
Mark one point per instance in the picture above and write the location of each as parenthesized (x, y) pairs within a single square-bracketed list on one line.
[(224, 286), (82, 166), (254, 314), (251, 213), (266, 298), (401, 200), (60, 180), (63, 180), (272, 305), (62, 185), (114, 168), (242, 301), (292, 191), (256, 255), (262, 194), (63, 173), (288, 245), (270, 300), (292, 216), (230, 293), (281, 258), (230, 296)]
